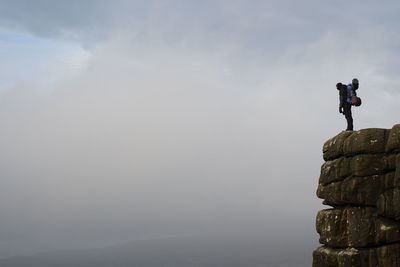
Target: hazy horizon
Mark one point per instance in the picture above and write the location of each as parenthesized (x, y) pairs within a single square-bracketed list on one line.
[(136, 120)]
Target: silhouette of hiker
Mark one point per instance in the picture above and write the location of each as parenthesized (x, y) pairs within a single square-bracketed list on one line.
[(346, 93)]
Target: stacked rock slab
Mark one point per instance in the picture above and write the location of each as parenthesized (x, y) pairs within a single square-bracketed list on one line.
[(360, 180)]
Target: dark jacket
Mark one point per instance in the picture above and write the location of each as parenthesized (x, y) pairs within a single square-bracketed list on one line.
[(343, 95)]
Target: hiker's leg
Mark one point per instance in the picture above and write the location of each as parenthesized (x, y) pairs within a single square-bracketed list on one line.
[(349, 118)]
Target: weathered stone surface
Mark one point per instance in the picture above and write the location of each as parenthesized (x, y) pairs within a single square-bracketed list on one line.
[(325, 257), (382, 256), (334, 170), (370, 164), (397, 173), (333, 148), (392, 160), (361, 227), (346, 227), (389, 204), (390, 180), (356, 190), (361, 181), (332, 227), (387, 231), (355, 227), (347, 257), (359, 165), (366, 141), (393, 142), (388, 255)]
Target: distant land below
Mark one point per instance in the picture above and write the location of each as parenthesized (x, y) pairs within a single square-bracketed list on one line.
[(179, 252)]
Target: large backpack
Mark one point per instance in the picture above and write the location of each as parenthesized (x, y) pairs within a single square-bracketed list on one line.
[(352, 97)]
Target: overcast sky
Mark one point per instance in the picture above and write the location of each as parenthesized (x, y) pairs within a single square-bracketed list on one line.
[(126, 120)]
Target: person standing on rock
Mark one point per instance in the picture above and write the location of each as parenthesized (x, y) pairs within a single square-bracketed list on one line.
[(345, 94)]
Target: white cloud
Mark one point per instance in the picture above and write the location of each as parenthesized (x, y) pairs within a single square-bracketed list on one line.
[(181, 119)]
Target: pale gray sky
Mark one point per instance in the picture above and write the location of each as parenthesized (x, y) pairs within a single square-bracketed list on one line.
[(124, 120)]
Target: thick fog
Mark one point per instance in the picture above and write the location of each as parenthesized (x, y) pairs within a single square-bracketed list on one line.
[(130, 121)]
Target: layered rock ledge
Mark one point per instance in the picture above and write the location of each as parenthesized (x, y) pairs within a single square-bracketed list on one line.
[(360, 180)]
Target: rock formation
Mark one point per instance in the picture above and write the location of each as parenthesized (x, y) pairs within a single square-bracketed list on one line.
[(360, 179)]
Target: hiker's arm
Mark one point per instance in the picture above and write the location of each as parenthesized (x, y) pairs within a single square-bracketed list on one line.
[(341, 101)]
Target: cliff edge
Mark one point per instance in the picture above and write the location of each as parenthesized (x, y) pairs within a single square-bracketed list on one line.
[(360, 180)]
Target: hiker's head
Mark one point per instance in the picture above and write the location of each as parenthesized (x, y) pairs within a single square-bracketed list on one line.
[(355, 83), (339, 85)]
